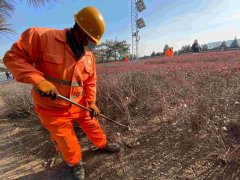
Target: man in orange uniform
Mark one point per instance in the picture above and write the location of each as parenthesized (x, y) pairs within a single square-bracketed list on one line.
[(59, 61), (169, 52)]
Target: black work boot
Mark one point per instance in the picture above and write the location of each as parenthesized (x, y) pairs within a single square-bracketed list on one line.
[(78, 171), (111, 147)]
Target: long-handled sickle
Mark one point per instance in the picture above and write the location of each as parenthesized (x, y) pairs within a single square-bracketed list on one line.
[(87, 109)]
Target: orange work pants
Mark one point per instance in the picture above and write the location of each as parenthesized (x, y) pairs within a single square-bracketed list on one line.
[(59, 124)]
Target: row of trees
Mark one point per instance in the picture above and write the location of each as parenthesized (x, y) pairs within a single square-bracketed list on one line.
[(111, 50), (204, 47), (234, 44)]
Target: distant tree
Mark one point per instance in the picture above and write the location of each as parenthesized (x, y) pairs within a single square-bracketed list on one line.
[(109, 49), (134, 56), (153, 54), (204, 47), (223, 45), (122, 47), (145, 57), (130, 56), (158, 54), (100, 53), (165, 48), (186, 48), (234, 43)]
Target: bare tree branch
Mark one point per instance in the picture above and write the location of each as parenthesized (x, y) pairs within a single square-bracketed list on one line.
[(37, 3), (5, 27), (7, 7)]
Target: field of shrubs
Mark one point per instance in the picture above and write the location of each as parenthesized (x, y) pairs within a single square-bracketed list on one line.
[(184, 112)]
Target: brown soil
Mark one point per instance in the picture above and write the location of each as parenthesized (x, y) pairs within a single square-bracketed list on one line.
[(154, 149)]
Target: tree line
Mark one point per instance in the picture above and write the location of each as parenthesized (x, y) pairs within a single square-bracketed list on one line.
[(204, 47), (109, 50)]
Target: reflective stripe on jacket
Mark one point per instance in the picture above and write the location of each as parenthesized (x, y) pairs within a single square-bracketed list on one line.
[(43, 53)]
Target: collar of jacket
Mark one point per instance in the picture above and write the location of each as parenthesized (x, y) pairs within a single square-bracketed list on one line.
[(61, 35)]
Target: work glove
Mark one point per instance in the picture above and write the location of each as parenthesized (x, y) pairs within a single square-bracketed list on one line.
[(47, 89), (95, 111)]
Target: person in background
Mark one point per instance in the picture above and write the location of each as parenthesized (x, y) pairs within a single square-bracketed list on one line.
[(196, 48), (126, 58), (169, 52), (8, 75), (61, 62)]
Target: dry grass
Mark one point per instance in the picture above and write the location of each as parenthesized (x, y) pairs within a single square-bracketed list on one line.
[(190, 109), (17, 98), (207, 101), (198, 100)]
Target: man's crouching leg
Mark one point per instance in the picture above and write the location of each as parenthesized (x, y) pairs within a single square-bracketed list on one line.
[(95, 133), (63, 134), (67, 143)]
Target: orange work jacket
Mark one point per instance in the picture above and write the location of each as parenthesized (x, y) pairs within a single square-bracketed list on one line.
[(43, 53), (126, 58), (169, 52)]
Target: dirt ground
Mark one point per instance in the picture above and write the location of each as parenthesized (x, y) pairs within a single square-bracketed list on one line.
[(156, 148)]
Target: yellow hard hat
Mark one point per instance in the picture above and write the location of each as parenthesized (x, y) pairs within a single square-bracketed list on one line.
[(91, 21)]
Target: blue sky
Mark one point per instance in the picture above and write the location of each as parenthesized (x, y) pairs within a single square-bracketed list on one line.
[(175, 22)]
